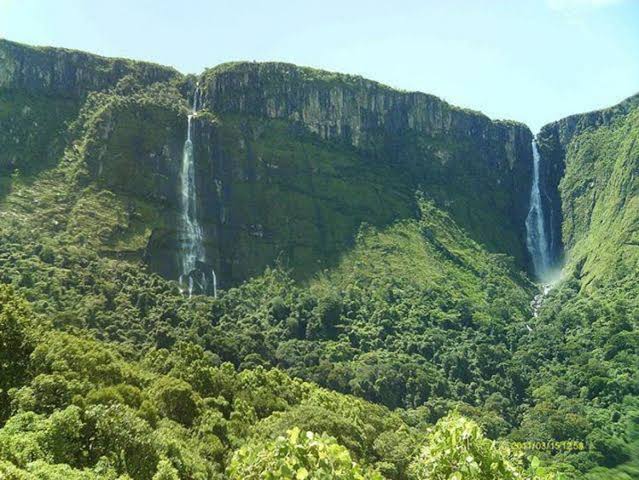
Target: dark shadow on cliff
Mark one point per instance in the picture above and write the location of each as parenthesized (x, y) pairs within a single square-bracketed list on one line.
[(271, 191)]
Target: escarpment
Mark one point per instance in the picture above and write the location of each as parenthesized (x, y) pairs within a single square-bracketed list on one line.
[(289, 161), (57, 72), (588, 160)]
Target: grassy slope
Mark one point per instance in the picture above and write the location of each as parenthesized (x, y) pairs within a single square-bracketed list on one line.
[(601, 206), (433, 251), (58, 197), (584, 340)]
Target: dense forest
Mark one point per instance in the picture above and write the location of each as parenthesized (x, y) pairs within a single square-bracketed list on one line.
[(375, 316)]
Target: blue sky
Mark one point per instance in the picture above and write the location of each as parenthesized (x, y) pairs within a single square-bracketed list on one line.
[(528, 60)]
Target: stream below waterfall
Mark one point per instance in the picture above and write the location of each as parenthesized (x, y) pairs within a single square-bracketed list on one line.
[(538, 299)]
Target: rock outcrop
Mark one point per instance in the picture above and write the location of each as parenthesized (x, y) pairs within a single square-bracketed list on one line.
[(553, 141), (438, 144), (290, 160), (69, 73), (345, 107)]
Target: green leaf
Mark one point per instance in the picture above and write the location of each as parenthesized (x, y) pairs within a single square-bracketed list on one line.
[(534, 463)]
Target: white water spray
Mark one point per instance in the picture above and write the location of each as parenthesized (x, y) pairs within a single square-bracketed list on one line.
[(192, 244), (536, 238)]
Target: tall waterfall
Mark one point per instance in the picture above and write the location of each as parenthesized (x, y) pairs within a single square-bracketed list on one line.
[(536, 238), (192, 244)]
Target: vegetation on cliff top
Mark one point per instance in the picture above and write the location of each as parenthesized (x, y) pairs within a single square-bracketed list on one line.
[(107, 371)]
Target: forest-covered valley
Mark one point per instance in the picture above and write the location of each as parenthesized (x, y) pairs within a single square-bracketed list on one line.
[(362, 304)]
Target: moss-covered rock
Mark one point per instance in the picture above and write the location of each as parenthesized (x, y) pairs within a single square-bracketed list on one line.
[(438, 145), (69, 73), (289, 160), (590, 163)]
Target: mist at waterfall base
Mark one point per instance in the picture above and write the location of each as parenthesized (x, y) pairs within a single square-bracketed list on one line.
[(195, 275), (537, 239)]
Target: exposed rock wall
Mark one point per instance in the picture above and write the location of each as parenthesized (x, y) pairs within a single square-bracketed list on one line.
[(69, 73), (290, 160), (348, 108), (554, 140), (393, 127)]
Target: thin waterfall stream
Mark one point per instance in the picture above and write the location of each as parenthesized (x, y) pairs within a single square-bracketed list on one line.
[(193, 253), (537, 240)]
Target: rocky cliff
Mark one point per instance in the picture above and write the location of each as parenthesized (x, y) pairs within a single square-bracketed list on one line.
[(586, 161), (346, 107), (290, 161), (564, 130), (57, 72), (554, 140), (41, 91), (460, 157)]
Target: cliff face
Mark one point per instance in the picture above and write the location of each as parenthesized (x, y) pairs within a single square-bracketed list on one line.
[(458, 156), (57, 72), (587, 169), (290, 161), (344, 107), (551, 171), (41, 91), (563, 131)]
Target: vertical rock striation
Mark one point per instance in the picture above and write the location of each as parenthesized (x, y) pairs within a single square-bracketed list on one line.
[(350, 108), (69, 73), (553, 141), (436, 144), (290, 160)]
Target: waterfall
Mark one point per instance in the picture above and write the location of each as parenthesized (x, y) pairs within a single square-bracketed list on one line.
[(192, 245), (536, 238)]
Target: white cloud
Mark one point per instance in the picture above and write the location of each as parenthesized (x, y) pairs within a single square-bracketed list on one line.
[(575, 4)]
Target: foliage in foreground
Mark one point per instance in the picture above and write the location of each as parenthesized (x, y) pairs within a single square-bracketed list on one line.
[(297, 455), (81, 410), (456, 449)]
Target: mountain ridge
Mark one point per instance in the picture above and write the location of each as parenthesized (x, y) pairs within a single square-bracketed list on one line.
[(7, 45), (423, 141), (365, 241), (557, 142)]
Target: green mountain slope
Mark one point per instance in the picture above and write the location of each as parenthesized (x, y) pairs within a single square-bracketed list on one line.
[(290, 161), (370, 247), (590, 367), (590, 169), (599, 193)]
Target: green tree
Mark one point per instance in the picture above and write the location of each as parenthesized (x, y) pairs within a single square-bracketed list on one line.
[(297, 457), (456, 449), (176, 399), (165, 471), (16, 343)]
